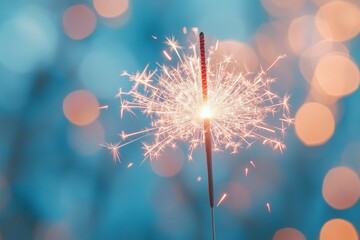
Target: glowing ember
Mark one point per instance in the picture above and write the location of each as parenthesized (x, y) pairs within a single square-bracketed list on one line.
[(252, 164), (114, 149), (205, 112), (129, 165), (268, 207), (239, 103), (246, 171), (104, 107), (199, 179), (167, 55), (221, 199)]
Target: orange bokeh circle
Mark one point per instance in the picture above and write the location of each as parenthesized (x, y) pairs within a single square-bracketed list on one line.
[(314, 124), (338, 229), (288, 234), (337, 75), (341, 187), (111, 8), (81, 107), (79, 22)]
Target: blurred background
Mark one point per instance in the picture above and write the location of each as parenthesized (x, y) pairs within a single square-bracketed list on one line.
[(60, 67)]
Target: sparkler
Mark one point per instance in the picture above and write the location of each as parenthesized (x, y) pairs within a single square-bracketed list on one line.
[(207, 130), (237, 104)]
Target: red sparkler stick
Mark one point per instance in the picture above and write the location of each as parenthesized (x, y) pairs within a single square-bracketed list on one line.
[(207, 131)]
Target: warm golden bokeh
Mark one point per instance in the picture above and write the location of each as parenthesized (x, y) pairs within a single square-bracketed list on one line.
[(267, 47), (283, 8), (310, 58), (288, 234), (111, 8), (245, 58), (303, 33), (337, 75), (341, 187), (314, 124), (238, 197), (270, 40), (169, 163), (322, 2), (342, 17), (338, 229), (58, 230), (81, 107), (316, 94), (78, 22)]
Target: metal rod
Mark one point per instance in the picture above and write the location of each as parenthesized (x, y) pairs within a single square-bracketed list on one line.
[(207, 132)]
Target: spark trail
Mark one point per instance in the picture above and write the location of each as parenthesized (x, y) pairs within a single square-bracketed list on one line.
[(242, 107), (183, 98)]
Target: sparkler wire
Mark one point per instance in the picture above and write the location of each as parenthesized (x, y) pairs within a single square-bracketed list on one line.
[(207, 132)]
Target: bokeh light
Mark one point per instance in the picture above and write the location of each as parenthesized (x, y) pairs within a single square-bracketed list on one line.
[(58, 231), (310, 58), (100, 71), (28, 40), (282, 8), (342, 17), (341, 187), (244, 56), (271, 40), (288, 234), (314, 124), (303, 33), (169, 163), (316, 94), (79, 21), (338, 229), (319, 3), (238, 197), (81, 107), (267, 47), (111, 8), (337, 75), (55, 167), (86, 140)]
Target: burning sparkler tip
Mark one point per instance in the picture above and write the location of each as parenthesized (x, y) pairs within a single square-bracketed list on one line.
[(236, 103)]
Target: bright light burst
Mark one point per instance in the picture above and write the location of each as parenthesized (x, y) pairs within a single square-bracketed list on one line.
[(241, 106)]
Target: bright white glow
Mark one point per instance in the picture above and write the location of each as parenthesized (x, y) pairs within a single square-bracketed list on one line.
[(205, 112)]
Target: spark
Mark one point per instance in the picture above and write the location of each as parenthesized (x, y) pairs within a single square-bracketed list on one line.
[(246, 171), (129, 165), (195, 30), (241, 106), (252, 164), (268, 207), (154, 37), (221, 199), (104, 107), (114, 150), (185, 30), (199, 179), (167, 55)]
